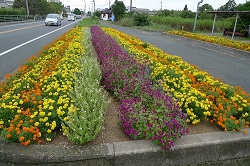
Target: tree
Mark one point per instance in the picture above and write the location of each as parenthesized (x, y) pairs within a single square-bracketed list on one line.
[(185, 8), (245, 22), (229, 6), (97, 14), (118, 9), (187, 14), (35, 6), (141, 19), (205, 7), (77, 11), (55, 7)]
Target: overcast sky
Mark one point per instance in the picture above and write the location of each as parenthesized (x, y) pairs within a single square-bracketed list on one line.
[(149, 4)]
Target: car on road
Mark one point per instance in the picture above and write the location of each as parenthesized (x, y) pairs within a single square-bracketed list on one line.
[(78, 16), (53, 19), (71, 17)]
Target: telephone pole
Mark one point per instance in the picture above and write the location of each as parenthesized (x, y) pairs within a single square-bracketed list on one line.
[(161, 5), (109, 4), (27, 7), (130, 8), (94, 5)]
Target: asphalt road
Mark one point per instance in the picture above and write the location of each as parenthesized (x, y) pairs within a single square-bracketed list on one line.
[(18, 42), (230, 65)]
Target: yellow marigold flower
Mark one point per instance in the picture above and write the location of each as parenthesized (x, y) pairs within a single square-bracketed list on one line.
[(36, 124), (45, 119), (48, 131), (48, 139), (42, 113)]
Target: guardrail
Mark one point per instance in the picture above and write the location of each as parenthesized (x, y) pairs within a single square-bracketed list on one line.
[(11, 18)]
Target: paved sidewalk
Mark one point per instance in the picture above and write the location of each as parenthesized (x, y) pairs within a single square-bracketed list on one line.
[(219, 148)]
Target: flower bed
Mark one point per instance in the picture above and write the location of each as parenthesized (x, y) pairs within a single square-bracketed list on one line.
[(214, 39), (145, 112), (197, 92), (35, 100)]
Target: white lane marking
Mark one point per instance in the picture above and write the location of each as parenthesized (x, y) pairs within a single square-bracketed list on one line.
[(5, 52)]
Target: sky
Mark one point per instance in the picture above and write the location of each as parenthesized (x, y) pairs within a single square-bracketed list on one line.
[(149, 4)]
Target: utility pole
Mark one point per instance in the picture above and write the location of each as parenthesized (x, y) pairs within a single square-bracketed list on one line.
[(196, 14), (161, 5), (94, 5), (130, 8), (109, 4), (27, 7)]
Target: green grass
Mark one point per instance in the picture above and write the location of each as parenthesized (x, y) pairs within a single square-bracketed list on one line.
[(87, 22)]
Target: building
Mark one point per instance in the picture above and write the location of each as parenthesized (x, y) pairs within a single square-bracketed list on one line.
[(6, 3), (143, 10)]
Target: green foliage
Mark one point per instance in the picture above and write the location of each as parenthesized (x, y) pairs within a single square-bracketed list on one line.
[(77, 11), (178, 22), (205, 7), (205, 15), (11, 11), (41, 7), (187, 14), (87, 22), (118, 9), (54, 7), (86, 118), (97, 14), (164, 12), (127, 22), (229, 6), (141, 19)]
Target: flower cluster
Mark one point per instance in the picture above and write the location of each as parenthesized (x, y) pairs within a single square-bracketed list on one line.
[(197, 92), (145, 112), (34, 98), (86, 115), (214, 39)]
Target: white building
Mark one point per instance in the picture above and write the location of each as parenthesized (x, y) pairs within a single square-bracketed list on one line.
[(6, 3)]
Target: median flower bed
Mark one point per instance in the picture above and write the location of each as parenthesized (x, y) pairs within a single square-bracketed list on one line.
[(214, 39), (37, 99), (145, 112), (198, 93)]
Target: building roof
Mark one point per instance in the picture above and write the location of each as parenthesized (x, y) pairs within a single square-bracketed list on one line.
[(229, 12)]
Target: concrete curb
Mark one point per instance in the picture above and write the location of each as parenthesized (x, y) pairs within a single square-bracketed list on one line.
[(219, 148)]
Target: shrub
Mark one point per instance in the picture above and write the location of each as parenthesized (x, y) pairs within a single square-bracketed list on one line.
[(141, 19)]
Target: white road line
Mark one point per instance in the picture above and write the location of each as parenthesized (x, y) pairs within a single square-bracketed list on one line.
[(5, 52)]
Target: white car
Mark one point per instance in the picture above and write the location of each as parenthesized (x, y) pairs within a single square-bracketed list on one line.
[(71, 17), (53, 19)]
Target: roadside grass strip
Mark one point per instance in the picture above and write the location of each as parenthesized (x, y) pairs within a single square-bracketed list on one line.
[(145, 112), (36, 98), (214, 39), (199, 95)]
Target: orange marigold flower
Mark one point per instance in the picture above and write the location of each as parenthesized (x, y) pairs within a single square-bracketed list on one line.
[(245, 132), (21, 138), (8, 135)]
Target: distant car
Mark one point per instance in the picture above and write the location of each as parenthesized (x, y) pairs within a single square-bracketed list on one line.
[(71, 17), (78, 16), (53, 19)]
